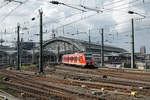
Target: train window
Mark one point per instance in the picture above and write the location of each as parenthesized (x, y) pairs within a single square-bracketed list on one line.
[(75, 58), (88, 54), (71, 58), (80, 58)]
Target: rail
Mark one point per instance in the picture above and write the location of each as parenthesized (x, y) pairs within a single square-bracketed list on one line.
[(4, 97)]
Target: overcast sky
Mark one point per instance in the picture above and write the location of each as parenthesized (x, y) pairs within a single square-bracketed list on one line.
[(67, 21)]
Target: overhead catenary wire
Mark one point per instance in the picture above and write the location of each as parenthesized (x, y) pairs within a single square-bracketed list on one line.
[(5, 3), (13, 10), (119, 6), (73, 22), (87, 17), (109, 10)]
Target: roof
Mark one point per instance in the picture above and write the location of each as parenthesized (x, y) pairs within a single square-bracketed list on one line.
[(83, 45)]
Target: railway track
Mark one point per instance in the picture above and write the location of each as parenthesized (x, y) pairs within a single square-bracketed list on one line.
[(102, 72), (100, 79), (97, 86), (38, 87)]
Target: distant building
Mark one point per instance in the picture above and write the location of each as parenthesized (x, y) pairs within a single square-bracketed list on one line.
[(143, 50)]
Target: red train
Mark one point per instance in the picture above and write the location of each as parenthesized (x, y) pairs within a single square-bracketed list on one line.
[(80, 59)]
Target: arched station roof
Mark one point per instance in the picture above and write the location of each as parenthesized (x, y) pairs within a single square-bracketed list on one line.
[(63, 44)]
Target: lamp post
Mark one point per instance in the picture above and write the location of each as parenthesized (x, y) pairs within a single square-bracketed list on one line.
[(89, 39), (18, 46), (132, 12), (41, 41), (132, 38), (60, 3), (102, 48)]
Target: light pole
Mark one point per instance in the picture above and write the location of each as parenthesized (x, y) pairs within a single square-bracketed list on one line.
[(59, 3), (89, 39), (41, 41), (18, 47), (102, 48), (132, 12), (132, 39)]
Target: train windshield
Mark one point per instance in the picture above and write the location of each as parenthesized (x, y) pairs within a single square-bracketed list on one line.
[(88, 57)]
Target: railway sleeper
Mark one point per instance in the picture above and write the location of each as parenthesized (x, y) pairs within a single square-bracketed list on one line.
[(40, 92)]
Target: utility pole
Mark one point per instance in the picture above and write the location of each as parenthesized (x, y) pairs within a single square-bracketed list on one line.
[(58, 53), (1, 38), (132, 38), (18, 47), (102, 48), (89, 39), (41, 41), (132, 45), (33, 54)]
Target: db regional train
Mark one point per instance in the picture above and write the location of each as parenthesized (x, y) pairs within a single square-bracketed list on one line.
[(79, 59)]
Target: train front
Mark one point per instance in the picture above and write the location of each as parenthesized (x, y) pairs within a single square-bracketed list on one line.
[(88, 60)]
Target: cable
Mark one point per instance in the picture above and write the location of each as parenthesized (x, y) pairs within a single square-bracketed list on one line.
[(82, 19), (113, 3), (9, 13), (4, 5), (12, 11), (92, 15), (77, 20), (124, 3), (96, 13)]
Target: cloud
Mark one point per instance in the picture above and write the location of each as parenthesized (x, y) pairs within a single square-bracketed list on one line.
[(57, 15)]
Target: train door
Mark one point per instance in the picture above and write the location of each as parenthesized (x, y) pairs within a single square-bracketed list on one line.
[(67, 61), (81, 59), (71, 59), (75, 59)]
